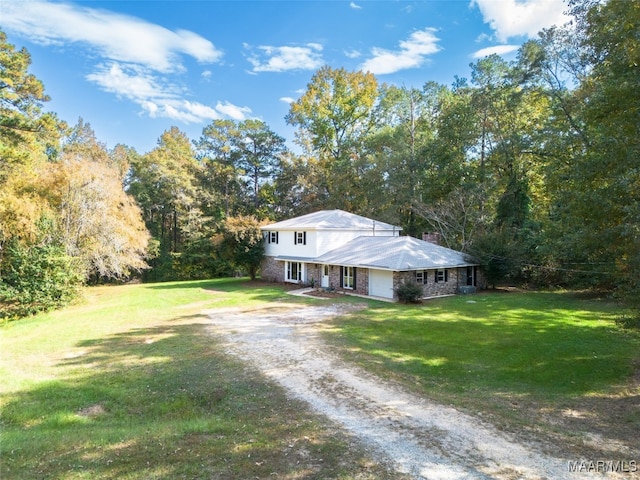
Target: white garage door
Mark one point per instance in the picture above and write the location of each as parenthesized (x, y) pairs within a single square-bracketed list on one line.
[(381, 283)]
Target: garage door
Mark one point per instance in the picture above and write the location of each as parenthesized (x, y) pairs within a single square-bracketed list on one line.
[(381, 283)]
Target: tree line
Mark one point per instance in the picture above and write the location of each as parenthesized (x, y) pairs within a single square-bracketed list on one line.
[(531, 165)]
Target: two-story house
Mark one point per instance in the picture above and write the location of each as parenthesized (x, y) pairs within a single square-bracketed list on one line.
[(339, 250)]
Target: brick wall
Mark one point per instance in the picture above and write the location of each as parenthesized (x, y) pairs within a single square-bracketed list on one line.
[(362, 280), (272, 270), (314, 273), (430, 287)]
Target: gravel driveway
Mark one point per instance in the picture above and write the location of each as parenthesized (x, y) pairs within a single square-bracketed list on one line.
[(411, 434)]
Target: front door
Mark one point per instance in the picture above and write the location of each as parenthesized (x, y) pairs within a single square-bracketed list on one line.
[(324, 279)]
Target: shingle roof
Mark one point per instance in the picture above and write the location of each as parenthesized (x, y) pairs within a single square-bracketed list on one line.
[(394, 253), (331, 219)]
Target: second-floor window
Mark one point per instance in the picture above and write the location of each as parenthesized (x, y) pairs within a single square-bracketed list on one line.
[(272, 237), (299, 238)]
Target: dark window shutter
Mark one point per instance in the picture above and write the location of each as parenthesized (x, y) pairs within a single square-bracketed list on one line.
[(295, 238), (341, 276), (355, 285), (304, 238), (446, 275)]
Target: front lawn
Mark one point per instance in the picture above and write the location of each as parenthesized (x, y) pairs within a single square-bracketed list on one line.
[(546, 363), (132, 385)]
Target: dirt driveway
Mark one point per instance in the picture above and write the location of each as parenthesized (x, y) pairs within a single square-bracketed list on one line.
[(411, 434)]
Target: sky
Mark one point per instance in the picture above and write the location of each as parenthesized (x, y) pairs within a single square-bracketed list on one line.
[(133, 69)]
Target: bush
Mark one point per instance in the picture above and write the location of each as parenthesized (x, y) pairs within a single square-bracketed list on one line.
[(409, 292), (36, 278)]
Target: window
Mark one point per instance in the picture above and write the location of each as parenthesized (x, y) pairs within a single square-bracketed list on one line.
[(421, 277), (272, 237), (442, 275), (471, 276), (294, 272), (348, 278), (299, 238)]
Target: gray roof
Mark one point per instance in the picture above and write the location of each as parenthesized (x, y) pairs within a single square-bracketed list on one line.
[(329, 220), (395, 253)]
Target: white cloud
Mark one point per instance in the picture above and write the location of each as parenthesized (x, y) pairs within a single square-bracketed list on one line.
[(280, 59), (497, 49), (412, 53), (179, 109), (287, 99), (158, 99), (355, 6), (114, 36), (233, 111), (138, 60), (512, 18), (128, 81), (352, 53)]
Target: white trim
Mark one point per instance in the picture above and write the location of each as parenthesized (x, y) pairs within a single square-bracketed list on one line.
[(298, 271), (345, 277)]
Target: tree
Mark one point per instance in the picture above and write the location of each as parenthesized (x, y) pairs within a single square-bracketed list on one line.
[(334, 117), (402, 150), (606, 179), (35, 272), (216, 149), (25, 131), (164, 182), (99, 224), (242, 243), (259, 150)]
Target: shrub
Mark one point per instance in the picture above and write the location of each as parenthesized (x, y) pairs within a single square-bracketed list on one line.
[(409, 292), (36, 278)]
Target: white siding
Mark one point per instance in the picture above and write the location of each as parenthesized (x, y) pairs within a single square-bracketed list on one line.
[(287, 247)]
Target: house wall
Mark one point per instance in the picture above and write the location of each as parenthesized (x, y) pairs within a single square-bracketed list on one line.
[(362, 280), (318, 241), (314, 273), (272, 270), (287, 246), (456, 277)]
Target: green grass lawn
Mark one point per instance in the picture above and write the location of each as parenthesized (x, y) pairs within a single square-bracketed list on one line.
[(131, 385), (521, 359)]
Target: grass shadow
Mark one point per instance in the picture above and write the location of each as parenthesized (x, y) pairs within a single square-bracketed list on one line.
[(508, 356), (163, 402)]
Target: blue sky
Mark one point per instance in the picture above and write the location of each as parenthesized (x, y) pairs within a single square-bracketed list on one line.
[(133, 69)]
